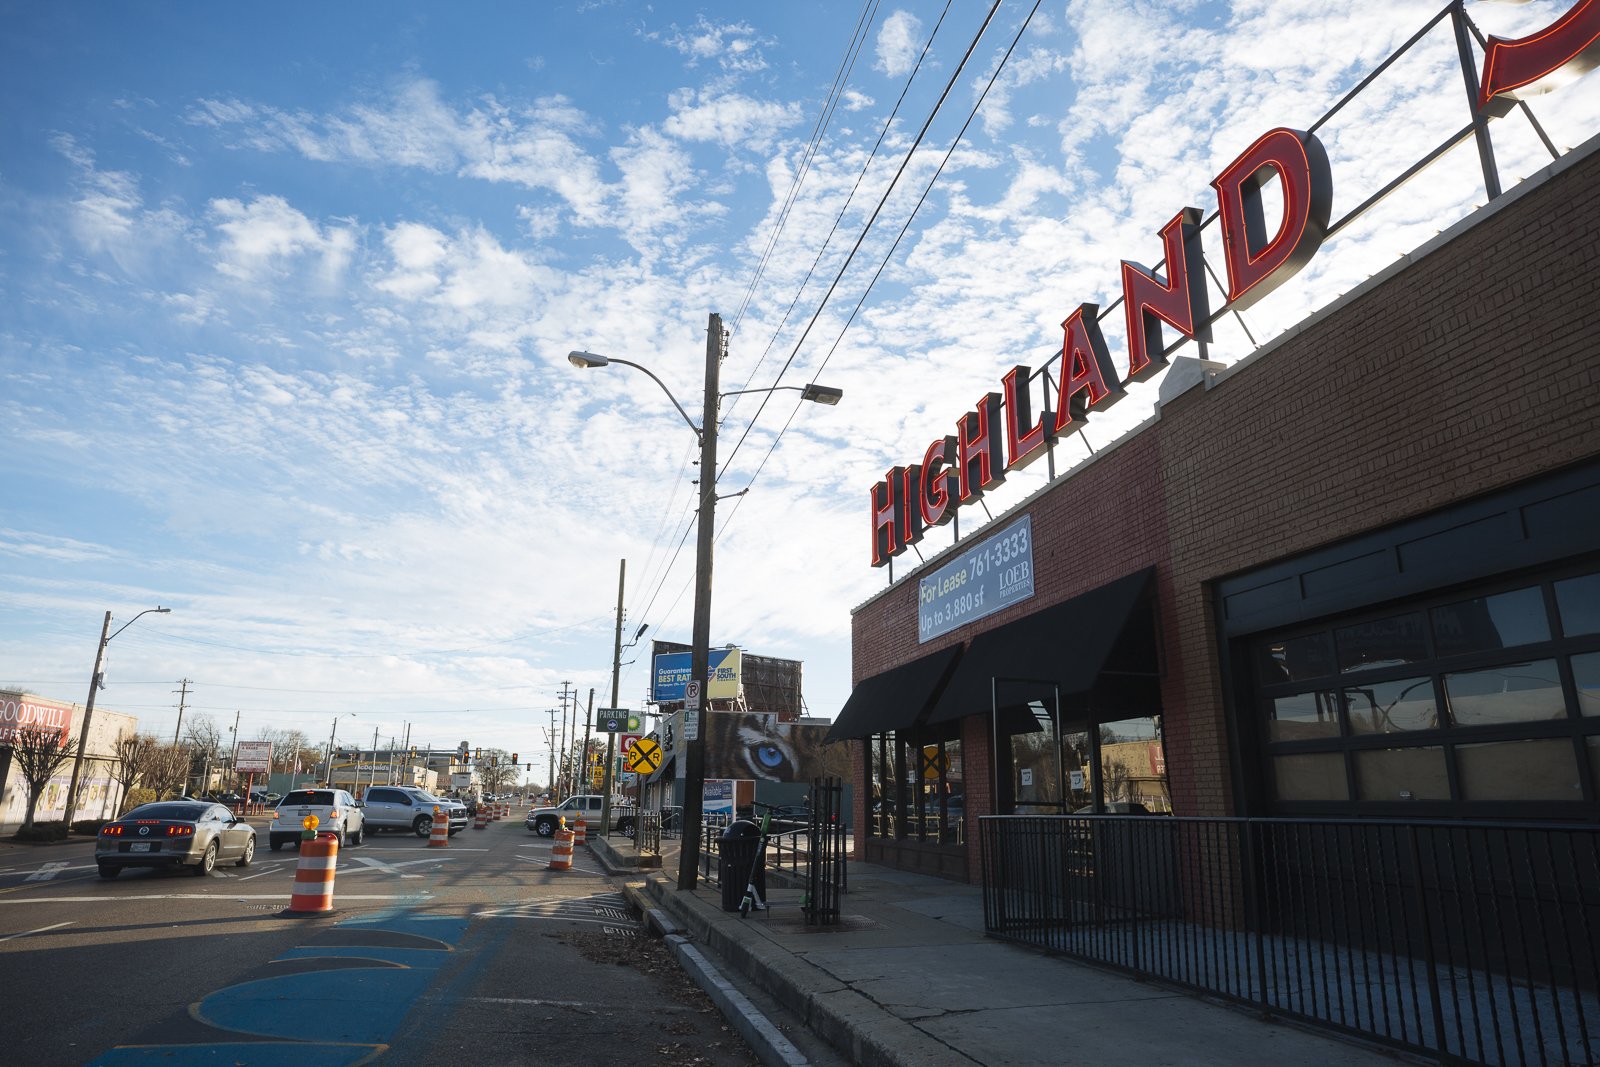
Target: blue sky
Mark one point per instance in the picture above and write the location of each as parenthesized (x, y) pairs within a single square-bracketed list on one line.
[(287, 294)]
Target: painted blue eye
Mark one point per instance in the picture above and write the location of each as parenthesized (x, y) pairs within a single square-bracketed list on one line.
[(769, 756)]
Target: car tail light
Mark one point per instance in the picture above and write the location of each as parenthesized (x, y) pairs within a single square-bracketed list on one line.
[(179, 831), (274, 815), (111, 831), (334, 814)]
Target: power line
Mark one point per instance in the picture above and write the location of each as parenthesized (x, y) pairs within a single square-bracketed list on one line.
[(883, 133), (906, 162), (841, 78), (903, 229), (163, 636)]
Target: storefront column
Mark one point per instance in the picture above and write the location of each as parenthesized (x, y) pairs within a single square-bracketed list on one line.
[(861, 801), (977, 761)]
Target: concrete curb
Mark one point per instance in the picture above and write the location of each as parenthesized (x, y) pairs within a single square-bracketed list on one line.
[(848, 1020), (769, 1044)]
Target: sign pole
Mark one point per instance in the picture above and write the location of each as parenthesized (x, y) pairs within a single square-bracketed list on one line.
[(616, 677)]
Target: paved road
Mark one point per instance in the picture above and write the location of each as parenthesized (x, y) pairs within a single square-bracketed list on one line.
[(432, 957)]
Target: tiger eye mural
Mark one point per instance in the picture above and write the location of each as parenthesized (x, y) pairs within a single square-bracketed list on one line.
[(754, 746)]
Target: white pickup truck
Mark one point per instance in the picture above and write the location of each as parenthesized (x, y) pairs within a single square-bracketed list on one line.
[(545, 821)]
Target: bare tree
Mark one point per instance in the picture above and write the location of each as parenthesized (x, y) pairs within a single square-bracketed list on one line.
[(204, 739), (40, 753), (166, 766), (132, 757), (287, 744), (496, 771)]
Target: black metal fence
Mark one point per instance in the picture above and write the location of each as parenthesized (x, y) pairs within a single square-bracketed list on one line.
[(827, 869), (1469, 942), (647, 832)]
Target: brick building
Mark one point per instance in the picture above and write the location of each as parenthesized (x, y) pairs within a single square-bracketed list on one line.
[(1355, 573)]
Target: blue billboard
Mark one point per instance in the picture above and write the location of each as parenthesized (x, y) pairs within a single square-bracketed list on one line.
[(672, 674)]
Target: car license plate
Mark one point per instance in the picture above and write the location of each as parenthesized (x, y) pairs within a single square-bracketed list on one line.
[(139, 846)]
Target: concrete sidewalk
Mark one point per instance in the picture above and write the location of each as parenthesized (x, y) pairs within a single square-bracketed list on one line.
[(910, 979)]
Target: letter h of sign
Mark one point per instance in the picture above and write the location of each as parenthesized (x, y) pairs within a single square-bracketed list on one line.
[(980, 463)]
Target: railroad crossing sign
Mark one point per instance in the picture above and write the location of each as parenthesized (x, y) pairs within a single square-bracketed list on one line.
[(644, 757)]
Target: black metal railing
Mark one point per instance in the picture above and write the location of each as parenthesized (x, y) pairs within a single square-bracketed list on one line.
[(647, 832), (827, 869), (711, 828), (1469, 942)]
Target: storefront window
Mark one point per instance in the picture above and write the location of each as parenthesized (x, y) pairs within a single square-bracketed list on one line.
[(1586, 677), (1295, 660), (1303, 715), (1392, 707), (1402, 774), (1133, 767), (1579, 602), (1504, 620), (918, 786), (1530, 769), (1311, 776), (1516, 692), (1079, 766), (1381, 643), (1035, 767)]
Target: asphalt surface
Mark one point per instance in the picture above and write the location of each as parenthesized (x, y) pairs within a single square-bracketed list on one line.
[(431, 956)]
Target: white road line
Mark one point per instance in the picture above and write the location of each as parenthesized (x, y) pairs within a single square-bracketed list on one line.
[(258, 874), (41, 930), (47, 872), (206, 896), (418, 848)]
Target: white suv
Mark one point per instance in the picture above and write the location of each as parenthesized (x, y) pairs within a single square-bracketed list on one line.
[(337, 812)]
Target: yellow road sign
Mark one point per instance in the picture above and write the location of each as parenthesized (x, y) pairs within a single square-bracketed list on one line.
[(644, 756)]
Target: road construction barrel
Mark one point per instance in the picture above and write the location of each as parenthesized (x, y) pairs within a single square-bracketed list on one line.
[(580, 835), (313, 877), (561, 851), (440, 837), (482, 820)]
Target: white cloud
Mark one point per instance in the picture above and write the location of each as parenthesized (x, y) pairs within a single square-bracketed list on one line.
[(260, 236), (729, 119), (735, 45), (898, 43), (854, 101)]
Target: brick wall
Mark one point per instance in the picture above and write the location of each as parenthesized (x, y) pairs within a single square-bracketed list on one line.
[(1475, 367)]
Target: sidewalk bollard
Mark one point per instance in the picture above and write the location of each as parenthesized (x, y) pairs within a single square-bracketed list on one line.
[(580, 836), (561, 849), (483, 819), (313, 875), (440, 837)]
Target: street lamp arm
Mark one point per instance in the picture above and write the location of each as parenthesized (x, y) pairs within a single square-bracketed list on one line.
[(664, 389), (136, 618), (769, 389)]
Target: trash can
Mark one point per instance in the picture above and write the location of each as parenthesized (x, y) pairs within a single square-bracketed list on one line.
[(736, 852)]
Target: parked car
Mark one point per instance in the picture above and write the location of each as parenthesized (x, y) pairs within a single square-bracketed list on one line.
[(409, 808), (196, 834), (545, 821), (337, 813)]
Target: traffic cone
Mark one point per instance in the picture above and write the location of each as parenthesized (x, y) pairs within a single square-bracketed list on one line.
[(581, 835), (440, 837), (561, 850), (483, 819), (313, 878)]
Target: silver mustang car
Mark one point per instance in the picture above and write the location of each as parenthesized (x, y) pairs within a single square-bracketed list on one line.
[(175, 833)]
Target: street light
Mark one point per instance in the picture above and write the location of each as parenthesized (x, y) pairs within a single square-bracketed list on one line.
[(95, 683), (700, 654)]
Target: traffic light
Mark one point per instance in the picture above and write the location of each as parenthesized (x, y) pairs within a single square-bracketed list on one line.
[(514, 759), (477, 754)]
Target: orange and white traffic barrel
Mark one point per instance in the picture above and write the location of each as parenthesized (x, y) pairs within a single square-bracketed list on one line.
[(440, 837), (494, 813), (580, 836), (313, 877), (561, 851), (483, 819)]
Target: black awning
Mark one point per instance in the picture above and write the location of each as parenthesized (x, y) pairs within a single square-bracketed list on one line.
[(894, 699), (1071, 644)]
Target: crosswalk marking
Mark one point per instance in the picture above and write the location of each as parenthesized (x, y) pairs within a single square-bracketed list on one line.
[(47, 872)]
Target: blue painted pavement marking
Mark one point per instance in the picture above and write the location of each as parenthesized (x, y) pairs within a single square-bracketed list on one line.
[(340, 1014)]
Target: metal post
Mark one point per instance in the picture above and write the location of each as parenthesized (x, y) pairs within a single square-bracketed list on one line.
[(616, 679), (588, 721), (88, 712), (700, 655), (1480, 121), (183, 699)]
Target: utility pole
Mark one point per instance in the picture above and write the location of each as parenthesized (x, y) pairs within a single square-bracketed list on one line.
[(616, 676), (564, 767), (88, 711), (588, 720), (183, 698), (700, 654), (550, 739), (234, 756)]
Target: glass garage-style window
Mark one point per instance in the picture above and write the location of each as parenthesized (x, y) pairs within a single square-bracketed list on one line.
[(1481, 697)]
